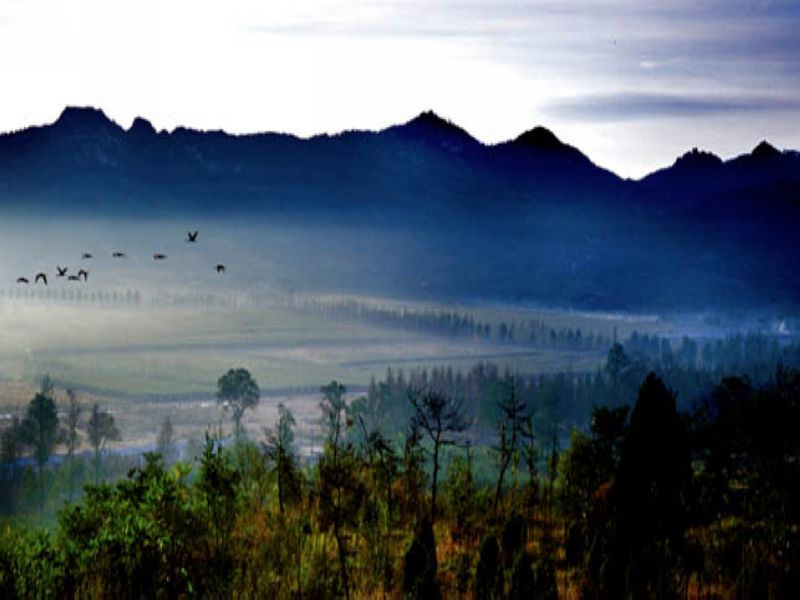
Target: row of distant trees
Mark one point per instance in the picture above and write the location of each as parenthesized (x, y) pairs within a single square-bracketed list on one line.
[(566, 399), (755, 353), (74, 294), (41, 429), (453, 323), (128, 297), (48, 424)]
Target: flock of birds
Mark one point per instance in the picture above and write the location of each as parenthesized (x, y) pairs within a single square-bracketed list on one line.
[(83, 274)]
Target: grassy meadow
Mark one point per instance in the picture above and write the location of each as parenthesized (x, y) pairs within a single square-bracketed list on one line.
[(146, 362)]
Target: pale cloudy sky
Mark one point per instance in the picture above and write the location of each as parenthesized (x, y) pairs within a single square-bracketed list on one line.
[(633, 84)]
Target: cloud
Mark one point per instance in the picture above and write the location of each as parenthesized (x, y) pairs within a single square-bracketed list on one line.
[(631, 106)]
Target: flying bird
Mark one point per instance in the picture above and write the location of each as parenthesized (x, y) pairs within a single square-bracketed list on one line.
[(83, 273), (220, 268), (159, 256), (61, 272), (86, 255), (118, 255), (192, 236), (41, 276), (22, 280), (74, 278)]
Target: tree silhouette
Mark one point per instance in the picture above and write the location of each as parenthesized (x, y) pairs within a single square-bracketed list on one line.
[(279, 450), (165, 442), (73, 437), (39, 430), (514, 426), (340, 493), (617, 366), (650, 494), (100, 430), (420, 564), (238, 391), (489, 572), (436, 416)]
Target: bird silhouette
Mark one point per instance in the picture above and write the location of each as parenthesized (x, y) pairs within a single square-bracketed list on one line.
[(74, 278), (61, 272), (86, 255), (118, 255), (41, 276), (22, 280), (220, 268), (83, 273), (159, 256), (192, 236)]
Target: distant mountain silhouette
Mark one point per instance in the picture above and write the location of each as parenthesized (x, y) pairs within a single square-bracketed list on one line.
[(427, 154), (535, 209)]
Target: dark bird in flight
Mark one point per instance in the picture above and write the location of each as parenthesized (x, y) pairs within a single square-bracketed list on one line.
[(74, 278), (61, 272), (192, 236), (83, 273), (159, 256), (86, 255), (41, 276), (118, 255), (220, 268), (22, 280)]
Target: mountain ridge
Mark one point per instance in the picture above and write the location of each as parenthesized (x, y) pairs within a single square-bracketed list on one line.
[(487, 219), (76, 118)]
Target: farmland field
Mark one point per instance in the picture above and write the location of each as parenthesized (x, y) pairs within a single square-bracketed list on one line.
[(145, 362)]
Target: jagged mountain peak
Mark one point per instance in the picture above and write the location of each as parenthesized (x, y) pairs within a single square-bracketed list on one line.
[(765, 150), (697, 159), (430, 126)]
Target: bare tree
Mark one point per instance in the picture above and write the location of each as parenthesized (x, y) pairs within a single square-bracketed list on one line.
[(437, 417), (513, 429)]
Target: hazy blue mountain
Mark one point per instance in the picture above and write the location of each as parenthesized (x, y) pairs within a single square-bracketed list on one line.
[(530, 219)]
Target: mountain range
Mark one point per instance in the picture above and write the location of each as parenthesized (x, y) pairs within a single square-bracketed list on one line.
[(543, 223)]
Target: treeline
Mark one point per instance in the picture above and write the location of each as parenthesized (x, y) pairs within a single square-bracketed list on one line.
[(74, 294), (751, 354), (649, 501), (452, 323), (566, 399), (32, 440)]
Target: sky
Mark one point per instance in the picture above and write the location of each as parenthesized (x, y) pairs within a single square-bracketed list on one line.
[(632, 84)]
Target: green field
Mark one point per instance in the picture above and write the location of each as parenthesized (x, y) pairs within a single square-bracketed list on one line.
[(147, 362), (163, 352)]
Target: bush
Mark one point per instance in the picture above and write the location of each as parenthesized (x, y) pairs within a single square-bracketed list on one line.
[(523, 584), (419, 570), (489, 575)]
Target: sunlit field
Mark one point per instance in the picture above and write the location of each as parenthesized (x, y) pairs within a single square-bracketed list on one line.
[(146, 362), (165, 352)]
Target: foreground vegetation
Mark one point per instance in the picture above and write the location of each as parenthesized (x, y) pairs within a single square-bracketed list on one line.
[(649, 501)]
